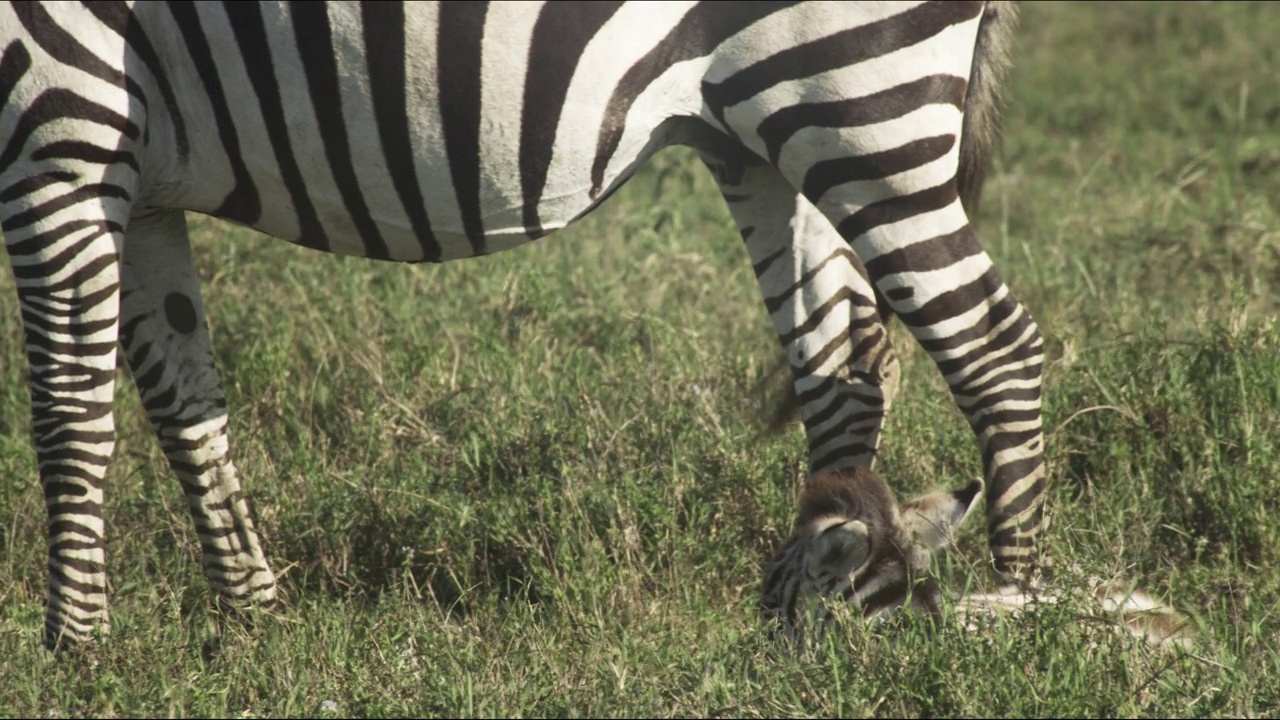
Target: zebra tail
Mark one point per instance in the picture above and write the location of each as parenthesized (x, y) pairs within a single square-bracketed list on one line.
[(982, 122)]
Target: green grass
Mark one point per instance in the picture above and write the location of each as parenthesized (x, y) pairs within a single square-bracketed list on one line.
[(535, 484)]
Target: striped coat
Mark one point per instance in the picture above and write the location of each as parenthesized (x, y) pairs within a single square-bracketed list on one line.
[(842, 136)]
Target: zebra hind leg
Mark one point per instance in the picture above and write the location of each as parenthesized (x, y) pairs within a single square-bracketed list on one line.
[(823, 308), (991, 354), (166, 340)]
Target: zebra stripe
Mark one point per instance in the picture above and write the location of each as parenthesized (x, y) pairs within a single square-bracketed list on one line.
[(427, 132)]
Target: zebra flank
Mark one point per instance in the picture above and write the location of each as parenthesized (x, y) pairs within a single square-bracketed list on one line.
[(842, 136)]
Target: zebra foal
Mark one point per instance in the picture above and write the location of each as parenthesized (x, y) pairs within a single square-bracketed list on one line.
[(854, 543), (426, 132)]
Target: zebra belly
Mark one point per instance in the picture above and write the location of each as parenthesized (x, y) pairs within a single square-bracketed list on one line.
[(388, 231), (391, 225)]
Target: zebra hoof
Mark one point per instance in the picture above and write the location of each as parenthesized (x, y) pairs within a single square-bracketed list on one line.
[(76, 650), (211, 649), (246, 614), (65, 641)]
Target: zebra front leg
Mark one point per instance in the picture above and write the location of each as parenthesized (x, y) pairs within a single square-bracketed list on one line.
[(824, 310), (166, 341), (68, 281)]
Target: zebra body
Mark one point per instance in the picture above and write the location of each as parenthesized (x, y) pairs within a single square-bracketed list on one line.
[(435, 131)]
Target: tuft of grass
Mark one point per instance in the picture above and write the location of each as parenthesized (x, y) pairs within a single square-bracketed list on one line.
[(536, 483)]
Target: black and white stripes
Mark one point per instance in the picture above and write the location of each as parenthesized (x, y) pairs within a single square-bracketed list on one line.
[(434, 131), (854, 543)]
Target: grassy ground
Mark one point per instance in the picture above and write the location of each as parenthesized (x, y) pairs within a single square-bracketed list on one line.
[(534, 484)]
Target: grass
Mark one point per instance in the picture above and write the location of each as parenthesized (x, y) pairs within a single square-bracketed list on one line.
[(535, 483)]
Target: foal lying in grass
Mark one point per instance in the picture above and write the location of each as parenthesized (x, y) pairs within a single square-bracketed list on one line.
[(854, 542)]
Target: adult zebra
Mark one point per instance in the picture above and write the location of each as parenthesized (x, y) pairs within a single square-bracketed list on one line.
[(428, 132)]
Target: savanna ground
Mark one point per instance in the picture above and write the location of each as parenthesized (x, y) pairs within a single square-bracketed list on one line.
[(535, 483)]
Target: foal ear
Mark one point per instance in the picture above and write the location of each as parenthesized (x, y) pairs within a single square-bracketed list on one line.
[(842, 548), (932, 519)]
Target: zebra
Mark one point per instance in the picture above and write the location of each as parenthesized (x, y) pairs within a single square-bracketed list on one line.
[(845, 138), (854, 543)]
